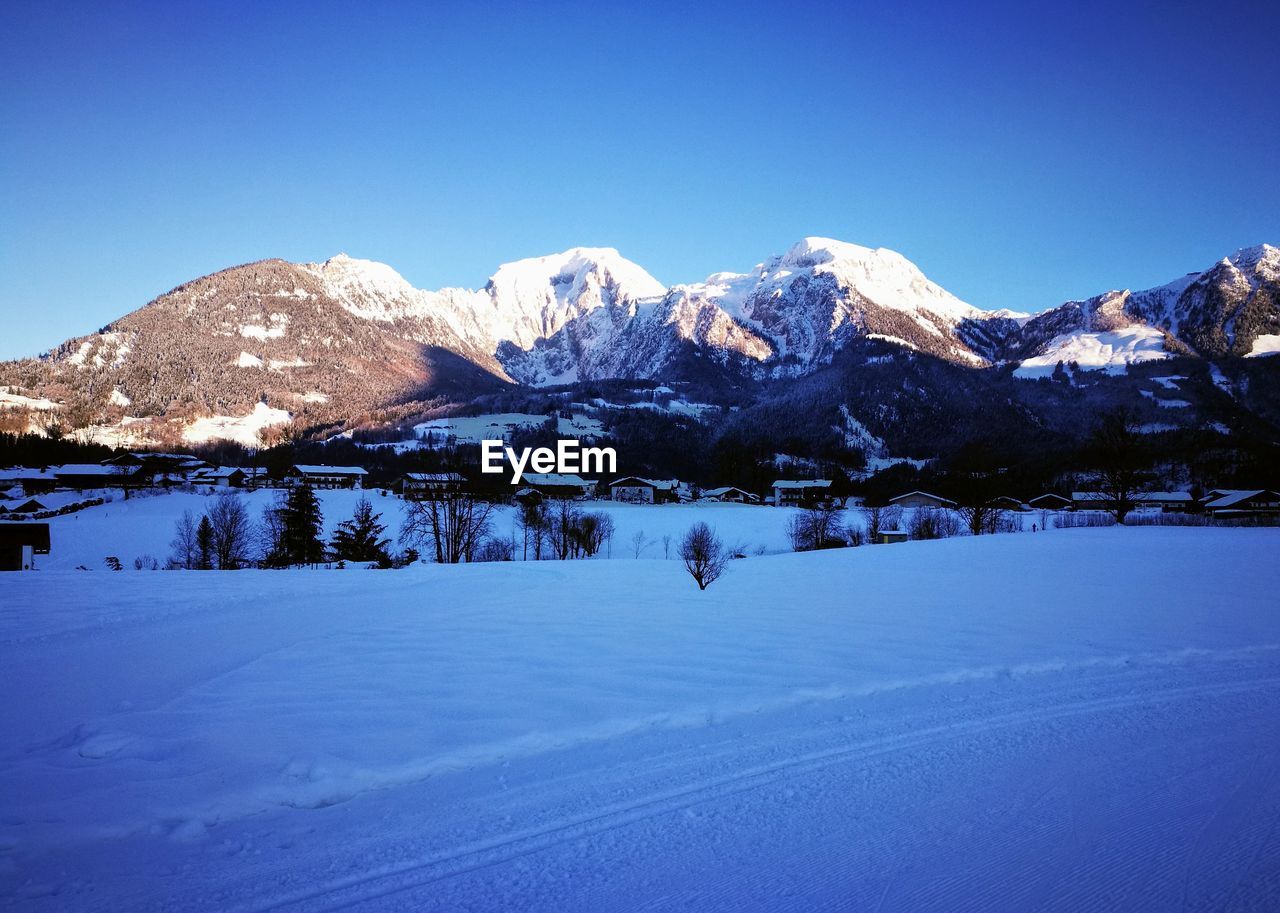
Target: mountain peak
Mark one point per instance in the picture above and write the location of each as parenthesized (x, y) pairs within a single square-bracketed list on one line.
[(568, 271)]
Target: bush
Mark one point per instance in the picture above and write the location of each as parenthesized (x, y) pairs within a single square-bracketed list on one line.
[(495, 550), (1084, 518), (933, 523), (817, 527)]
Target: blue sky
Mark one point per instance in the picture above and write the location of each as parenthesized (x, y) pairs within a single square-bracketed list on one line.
[(1019, 155)]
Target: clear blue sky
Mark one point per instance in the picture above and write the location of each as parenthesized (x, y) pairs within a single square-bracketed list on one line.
[(1020, 155)]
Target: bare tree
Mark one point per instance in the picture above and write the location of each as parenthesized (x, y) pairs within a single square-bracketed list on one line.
[(562, 529), (980, 515), (454, 524), (933, 523), (231, 531), (186, 550), (1116, 453), (666, 546), (532, 522), (704, 555), (639, 542), (881, 519), (817, 527), (595, 530)]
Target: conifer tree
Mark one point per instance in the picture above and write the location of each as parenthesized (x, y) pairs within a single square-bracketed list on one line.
[(302, 524), (360, 538), (204, 544)]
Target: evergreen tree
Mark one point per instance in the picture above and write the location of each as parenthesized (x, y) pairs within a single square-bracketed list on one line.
[(302, 525), (204, 544), (360, 538)]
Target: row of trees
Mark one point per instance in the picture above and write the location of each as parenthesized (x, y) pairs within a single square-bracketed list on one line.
[(288, 534)]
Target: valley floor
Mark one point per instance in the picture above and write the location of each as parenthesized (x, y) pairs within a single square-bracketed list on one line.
[(1078, 720)]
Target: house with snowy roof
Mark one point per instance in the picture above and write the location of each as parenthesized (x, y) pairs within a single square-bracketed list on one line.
[(921, 499), (30, 481), (421, 486), (1049, 501), (801, 492), (561, 485), (318, 476), (219, 477), (1258, 502), (96, 475), (729, 493), (636, 490)]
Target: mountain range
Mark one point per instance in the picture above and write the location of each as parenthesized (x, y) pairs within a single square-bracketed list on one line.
[(348, 342)]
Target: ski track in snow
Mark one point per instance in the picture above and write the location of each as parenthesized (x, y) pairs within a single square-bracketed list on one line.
[(907, 728), (349, 892)]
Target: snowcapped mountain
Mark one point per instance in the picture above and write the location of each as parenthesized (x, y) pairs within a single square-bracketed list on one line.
[(338, 341), (1227, 309), (787, 316)]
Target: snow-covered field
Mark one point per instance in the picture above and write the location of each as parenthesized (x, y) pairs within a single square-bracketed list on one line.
[(1078, 720)]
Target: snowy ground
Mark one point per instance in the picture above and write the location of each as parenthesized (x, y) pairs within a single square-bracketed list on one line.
[(1079, 720)]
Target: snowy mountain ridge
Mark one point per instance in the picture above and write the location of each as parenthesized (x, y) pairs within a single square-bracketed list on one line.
[(328, 342)]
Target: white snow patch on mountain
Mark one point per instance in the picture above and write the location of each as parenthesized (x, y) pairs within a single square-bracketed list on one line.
[(1111, 350), (1267, 344), (243, 428), (247, 360), (16, 401), (274, 329)]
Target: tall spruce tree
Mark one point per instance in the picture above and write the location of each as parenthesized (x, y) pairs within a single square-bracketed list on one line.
[(302, 523), (204, 544), (360, 538)]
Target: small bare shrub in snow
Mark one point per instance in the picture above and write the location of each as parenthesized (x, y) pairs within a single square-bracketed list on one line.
[(704, 555), (1084, 518), (146, 563), (495, 550)]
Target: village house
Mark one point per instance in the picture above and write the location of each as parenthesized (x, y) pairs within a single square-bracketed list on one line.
[(801, 492), (1049, 501), (325, 476), (1259, 502), (258, 477), (1168, 501), (1007, 502), (559, 485), (728, 493), (1089, 500), (160, 468), (20, 543), (31, 481), (219, 477), (423, 486), (921, 499), (643, 491), (96, 475)]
